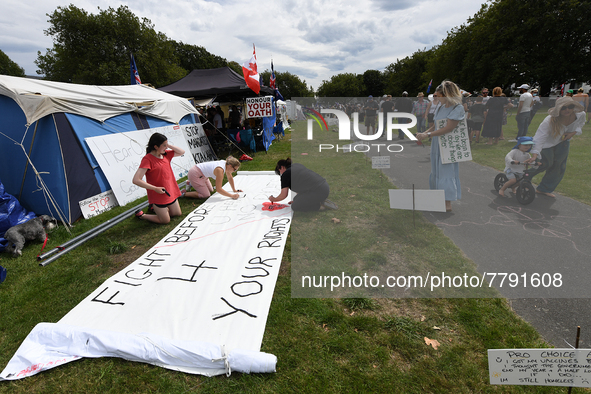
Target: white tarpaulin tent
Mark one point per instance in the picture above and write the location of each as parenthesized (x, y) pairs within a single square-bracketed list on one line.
[(196, 302), (38, 98)]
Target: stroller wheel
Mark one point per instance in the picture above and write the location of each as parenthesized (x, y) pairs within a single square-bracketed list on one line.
[(500, 180), (525, 193)]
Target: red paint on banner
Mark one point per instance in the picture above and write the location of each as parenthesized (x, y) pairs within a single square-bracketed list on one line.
[(269, 206)]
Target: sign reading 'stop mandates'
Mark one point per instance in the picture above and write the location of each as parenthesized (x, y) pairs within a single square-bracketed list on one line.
[(259, 107)]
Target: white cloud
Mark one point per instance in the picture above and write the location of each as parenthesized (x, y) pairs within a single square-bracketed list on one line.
[(314, 39)]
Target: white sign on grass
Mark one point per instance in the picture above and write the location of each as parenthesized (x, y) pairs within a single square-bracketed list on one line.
[(424, 200), (378, 162), (98, 204), (119, 156), (196, 302), (540, 367)]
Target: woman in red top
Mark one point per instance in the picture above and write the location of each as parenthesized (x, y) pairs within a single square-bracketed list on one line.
[(163, 191)]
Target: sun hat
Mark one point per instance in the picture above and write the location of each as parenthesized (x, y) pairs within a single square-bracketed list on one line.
[(524, 141), (561, 102)]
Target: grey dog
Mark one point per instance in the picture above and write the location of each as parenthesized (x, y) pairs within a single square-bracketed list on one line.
[(34, 229)]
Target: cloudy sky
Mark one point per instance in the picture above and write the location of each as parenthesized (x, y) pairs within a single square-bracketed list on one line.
[(313, 39)]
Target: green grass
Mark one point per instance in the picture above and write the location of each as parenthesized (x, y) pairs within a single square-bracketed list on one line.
[(328, 345)]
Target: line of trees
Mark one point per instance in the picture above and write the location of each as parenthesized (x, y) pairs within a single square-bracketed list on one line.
[(94, 49), (508, 41)]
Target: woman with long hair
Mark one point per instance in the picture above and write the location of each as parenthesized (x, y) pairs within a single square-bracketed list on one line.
[(552, 141), (199, 175), (445, 176), (160, 183)]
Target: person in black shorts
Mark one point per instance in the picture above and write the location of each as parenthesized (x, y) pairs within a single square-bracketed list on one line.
[(312, 189)]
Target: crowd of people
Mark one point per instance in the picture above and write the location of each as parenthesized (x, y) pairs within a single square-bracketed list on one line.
[(485, 115)]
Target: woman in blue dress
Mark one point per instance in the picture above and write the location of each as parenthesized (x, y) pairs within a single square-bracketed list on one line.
[(445, 176)]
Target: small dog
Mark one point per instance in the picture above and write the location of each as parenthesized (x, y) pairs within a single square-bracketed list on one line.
[(34, 229)]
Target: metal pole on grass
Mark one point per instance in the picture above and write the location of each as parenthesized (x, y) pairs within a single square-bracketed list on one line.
[(413, 206), (79, 240)]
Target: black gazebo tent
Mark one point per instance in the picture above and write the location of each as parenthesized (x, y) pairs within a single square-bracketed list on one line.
[(222, 83)]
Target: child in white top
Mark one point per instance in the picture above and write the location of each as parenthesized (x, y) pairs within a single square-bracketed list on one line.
[(515, 162)]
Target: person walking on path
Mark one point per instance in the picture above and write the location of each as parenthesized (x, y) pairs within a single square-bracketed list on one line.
[(493, 118), (371, 109), (403, 105), (476, 118), (419, 110), (445, 176), (552, 142), (582, 98), (522, 118)]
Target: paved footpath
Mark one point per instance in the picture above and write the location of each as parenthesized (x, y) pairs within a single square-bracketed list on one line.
[(500, 235)]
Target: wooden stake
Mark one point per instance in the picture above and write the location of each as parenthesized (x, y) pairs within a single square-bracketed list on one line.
[(413, 206), (576, 347)]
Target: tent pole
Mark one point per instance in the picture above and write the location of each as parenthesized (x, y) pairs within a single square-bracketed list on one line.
[(93, 232), (20, 194)]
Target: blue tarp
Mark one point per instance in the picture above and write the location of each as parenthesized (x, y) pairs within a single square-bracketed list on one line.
[(268, 125), (11, 214)]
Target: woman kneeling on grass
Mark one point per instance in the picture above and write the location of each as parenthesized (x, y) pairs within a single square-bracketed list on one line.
[(552, 141), (311, 188), (160, 182), (199, 176)]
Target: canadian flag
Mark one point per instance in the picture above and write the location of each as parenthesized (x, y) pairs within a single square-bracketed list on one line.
[(251, 75)]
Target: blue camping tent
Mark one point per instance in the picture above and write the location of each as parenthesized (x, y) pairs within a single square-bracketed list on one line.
[(45, 162)]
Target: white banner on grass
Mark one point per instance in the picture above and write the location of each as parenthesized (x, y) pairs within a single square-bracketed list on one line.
[(200, 294), (119, 156)]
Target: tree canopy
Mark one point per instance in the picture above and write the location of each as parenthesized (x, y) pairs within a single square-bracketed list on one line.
[(288, 84), (8, 67), (342, 85), (96, 48)]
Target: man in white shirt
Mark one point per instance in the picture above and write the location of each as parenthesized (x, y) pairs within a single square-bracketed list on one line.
[(526, 102)]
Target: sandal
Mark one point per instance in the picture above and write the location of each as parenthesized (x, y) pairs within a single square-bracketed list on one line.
[(330, 205), (139, 213)]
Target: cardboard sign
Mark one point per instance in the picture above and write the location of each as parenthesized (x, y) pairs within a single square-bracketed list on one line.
[(540, 367), (455, 145), (424, 200), (378, 162), (98, 204), (259, 107), (199, 144)]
